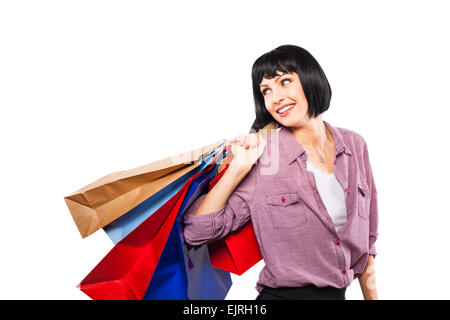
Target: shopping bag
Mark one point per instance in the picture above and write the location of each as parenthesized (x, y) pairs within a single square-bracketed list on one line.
[(122, 226), (103, 201), (237, 252), (174, 275), (205, 282), (125, 272)]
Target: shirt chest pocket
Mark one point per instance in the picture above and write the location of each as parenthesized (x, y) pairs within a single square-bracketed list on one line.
[(363, 201), (285, 209)]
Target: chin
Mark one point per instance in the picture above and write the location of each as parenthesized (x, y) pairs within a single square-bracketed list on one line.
[(294, 123)]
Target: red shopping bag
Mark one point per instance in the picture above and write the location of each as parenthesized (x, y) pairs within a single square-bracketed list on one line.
[(125, 272), (237, 252)]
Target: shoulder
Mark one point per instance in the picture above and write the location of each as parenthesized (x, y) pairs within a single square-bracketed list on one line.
[(352, 139), (350, 135), (357, 145)]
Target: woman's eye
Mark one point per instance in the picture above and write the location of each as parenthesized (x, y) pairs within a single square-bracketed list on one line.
[(282, 81)]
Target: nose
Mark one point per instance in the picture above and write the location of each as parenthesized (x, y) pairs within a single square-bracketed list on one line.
[(277, 96)]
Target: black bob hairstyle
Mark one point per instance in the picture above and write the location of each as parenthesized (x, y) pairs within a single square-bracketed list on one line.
[(288, 59)]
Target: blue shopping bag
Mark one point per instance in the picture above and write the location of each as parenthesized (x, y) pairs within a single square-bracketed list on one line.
[(121, 227), (205, 282), (186, 273)]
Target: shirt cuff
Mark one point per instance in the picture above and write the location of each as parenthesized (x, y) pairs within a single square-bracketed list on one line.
[(199, 228), (373, 251)]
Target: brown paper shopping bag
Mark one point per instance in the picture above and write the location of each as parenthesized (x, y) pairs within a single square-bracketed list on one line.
[(101, 202)]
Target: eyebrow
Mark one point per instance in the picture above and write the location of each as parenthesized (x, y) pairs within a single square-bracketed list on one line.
[(278, 76)]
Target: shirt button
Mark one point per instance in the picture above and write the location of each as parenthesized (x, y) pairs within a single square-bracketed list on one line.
[(283, 199), (344, 272), (346, 189), (338, 242)]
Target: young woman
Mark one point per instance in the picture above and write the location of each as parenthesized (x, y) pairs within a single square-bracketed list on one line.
[(312, 201)]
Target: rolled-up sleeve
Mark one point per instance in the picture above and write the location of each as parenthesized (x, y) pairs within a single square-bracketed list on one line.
[(199, 229), (373, 215)]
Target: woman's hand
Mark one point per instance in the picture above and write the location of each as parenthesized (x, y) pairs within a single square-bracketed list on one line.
[(247, 151)]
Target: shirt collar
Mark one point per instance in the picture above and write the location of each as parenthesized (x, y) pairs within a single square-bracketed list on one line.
[(293, 149)]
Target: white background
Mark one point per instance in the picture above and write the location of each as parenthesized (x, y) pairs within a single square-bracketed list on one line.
[(92, 87)]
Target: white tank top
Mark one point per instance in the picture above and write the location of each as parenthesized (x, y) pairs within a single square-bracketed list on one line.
[(332, 195)]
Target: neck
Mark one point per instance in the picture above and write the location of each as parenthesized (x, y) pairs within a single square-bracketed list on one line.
[(312, 135)]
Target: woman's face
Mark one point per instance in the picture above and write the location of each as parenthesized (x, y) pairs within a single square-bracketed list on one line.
[(285, 90)]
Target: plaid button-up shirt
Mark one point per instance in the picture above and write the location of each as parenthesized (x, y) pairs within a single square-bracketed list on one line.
[(296, 235)]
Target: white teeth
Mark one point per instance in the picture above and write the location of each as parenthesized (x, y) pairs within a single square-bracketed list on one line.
[(285, 109)]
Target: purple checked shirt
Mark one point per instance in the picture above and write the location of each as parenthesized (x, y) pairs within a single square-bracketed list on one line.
[(296, 235)]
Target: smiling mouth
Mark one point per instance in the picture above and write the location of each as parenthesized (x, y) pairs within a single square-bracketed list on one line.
[(288, 107)]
